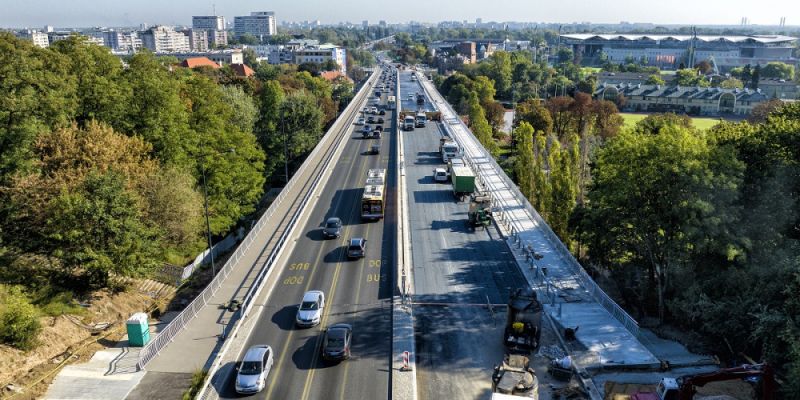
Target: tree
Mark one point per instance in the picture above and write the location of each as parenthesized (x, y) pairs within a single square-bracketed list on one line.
[(37, 93), (564, 170), (652, 194), (101, 92), (19, 320), (565, 54), (98, 230), (704, 67), (690, 77), (500, 72), (156, 111), (244, 112), (250, 57), (755, 77), (563, 119), (343, 92), (248, 39), (778, 70), (535, 114), (653, 124), (655, 80), (523, 164), (732, 83), (606, 119), (761, 111), (231, 159), (480, 126)]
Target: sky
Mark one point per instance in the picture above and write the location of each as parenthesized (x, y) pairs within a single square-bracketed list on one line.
[(86, 13)]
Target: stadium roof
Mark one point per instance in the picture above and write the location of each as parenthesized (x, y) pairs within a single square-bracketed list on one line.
[(765, 39)]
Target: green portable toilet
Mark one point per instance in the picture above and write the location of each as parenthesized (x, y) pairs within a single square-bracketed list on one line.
[(138, 330)]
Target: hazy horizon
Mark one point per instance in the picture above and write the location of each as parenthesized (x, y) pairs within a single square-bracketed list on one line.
[(87, 13)]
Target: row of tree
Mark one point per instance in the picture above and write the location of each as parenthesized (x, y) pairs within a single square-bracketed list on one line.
[(103, 164), (701, 229)]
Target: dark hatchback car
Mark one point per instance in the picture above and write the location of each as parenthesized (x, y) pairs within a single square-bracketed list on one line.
[(336, 345), (333, 228), (357, 248)]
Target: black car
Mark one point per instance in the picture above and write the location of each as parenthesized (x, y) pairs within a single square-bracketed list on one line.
[(382, 112), (380, 120), (333, 228), (336, 344), (371, 120), (357, 248)]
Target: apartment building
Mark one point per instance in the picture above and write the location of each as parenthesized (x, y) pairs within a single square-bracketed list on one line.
[(259, 24), (683, 99), (164, 39)]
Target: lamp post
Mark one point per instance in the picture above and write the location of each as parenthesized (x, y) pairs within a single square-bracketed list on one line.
[(202, 157)]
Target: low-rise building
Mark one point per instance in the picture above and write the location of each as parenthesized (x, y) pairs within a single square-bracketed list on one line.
[(321, 54), (220, 57), (683, 99)]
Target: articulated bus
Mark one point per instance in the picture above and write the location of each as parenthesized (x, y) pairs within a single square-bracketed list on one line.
[(373, 201), (391, 102)]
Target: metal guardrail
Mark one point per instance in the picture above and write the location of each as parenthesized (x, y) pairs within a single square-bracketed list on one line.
[(589, 284), (152, 349)]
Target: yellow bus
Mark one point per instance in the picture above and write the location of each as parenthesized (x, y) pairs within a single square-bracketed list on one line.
[(373, 201)]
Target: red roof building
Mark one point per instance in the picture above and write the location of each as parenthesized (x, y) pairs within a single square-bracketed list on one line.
[(242, 70), (196, 62)]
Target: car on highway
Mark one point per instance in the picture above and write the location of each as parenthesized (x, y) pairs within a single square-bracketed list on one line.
[(440, 175), (357, 248), (380, 120), (254, 369), (371, 119), (336, 344), (310, 309), (360, 121), (333, 228), (382, 112)]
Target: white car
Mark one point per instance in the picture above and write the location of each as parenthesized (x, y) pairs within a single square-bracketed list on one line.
[(360, 121), (440, 175), (309, 312), (254, 369)]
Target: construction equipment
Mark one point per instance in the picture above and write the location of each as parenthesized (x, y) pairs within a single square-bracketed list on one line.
[(524, 321), (515, 377), (685, 387), (480, 210)]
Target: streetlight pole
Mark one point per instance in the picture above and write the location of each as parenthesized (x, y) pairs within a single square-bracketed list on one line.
[(208, 224), (285, 146)]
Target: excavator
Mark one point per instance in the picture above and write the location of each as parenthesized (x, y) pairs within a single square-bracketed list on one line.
[(685, 387)]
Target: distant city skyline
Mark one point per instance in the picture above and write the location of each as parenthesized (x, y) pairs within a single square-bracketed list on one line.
[(87, 13)]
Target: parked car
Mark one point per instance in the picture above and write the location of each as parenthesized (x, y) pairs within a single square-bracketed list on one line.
[(336, 344), (333, 228), (357, 248), (310, 309), (254, 369)]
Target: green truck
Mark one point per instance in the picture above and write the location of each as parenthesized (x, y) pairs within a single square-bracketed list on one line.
[(463, 182)]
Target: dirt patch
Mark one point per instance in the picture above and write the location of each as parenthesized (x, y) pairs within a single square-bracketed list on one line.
[(62, 335)]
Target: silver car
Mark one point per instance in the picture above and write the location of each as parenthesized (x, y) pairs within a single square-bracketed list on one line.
[(309, 312), (254, 369)]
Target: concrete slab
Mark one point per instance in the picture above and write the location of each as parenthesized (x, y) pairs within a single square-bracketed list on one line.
[(95, 379), (161, 386), (602, 334), (673, 352)]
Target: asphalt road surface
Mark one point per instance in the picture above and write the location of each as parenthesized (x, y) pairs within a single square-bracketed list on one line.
[(357, 292), (458, 273)]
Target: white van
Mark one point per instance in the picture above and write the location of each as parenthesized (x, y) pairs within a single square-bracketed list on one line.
[(408, 123)]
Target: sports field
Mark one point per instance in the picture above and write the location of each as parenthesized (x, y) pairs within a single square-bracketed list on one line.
[(699, 123)]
